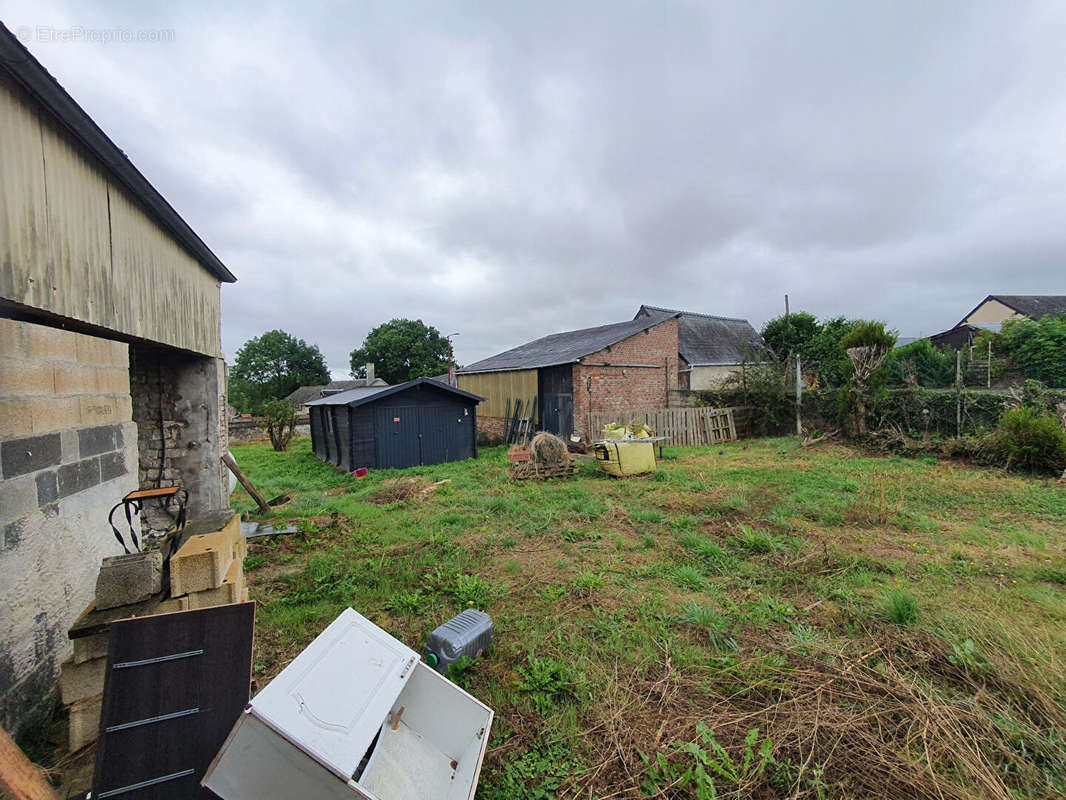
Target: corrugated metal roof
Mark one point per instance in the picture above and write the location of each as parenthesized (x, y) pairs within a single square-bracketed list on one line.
[(29, 73), (562, 348), (705, 340), (356, 397)]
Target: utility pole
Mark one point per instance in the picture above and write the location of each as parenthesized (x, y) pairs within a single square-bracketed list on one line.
[(452, 380), (799, 397), (786, 306)]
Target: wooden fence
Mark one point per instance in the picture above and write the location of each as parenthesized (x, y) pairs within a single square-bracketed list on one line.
[(686, 427)]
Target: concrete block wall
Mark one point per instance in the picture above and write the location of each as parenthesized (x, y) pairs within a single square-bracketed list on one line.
[(625, 388), (67, 454)]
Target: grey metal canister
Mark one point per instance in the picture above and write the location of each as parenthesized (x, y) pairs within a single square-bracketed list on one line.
[(468, 634)]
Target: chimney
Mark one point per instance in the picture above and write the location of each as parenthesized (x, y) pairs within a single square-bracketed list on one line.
[(369, 373)]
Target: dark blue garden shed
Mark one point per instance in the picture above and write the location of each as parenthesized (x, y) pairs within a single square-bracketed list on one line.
[(420, 422)]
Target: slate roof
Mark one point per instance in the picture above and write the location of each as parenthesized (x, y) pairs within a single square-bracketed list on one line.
[(1033, 306), (305, 394), (705, 340), (562, 348), (364, 394)]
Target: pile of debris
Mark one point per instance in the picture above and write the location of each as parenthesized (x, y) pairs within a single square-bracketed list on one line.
[(206, 569)]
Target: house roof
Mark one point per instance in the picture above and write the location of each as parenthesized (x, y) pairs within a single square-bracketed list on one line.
[(562, 348), (1033, 306), (28, 72), (365, 394), (305, 394), (705, 340)]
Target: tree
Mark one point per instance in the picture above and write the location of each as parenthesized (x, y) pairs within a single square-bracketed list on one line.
[(790, 333), (867, 345), (271, 366), (402, 350), (1037, 347), (280, 417)]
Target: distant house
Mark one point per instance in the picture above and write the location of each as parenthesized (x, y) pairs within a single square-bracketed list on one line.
[(993, 311), (610, 368), (306, 394), (711, 348)]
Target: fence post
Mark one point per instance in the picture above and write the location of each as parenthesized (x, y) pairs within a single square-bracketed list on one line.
[(958, 394), (799, 397)]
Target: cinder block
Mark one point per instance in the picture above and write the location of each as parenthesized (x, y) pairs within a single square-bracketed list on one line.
[(129, 578), (112, 380), (75, 379), (81, 681), (87, 648), (51, 344), (18, 496), (99, 410), (11, 343), (55, 414), (231, 590), (172, 604), (84, 722), (19, 377), (203, 561), (124, 407), (93, 350), (16, 418), (120, 355)]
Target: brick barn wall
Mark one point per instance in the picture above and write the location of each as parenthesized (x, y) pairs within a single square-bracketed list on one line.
[(620, 389), (492, 427), (67, 454)]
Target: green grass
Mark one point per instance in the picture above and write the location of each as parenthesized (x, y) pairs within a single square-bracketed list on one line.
[(628, 610)]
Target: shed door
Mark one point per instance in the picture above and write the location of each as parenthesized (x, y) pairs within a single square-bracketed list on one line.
[(397, 437), (557, 414), (438, 429)]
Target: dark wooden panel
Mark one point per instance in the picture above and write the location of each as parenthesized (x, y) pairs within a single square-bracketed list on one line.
[(190, 673)]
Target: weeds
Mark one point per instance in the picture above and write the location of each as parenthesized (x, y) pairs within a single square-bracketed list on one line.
[(900, 607), (545, 684)]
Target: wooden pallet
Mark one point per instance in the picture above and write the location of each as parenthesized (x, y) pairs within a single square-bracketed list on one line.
[(528, 469)]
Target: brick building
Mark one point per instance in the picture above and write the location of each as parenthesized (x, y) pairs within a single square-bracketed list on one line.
[(111, 375), (620, 367)]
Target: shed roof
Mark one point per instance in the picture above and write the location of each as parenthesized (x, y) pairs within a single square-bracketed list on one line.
[(562, 348), (1033, 306), (306, 394), (31, 75), (705, 340), (365, 394)]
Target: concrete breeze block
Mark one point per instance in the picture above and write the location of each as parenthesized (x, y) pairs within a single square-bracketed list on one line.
[(81, 681), (203, 561), (128, 579), (232, 590), (86, 648), (84, 722)]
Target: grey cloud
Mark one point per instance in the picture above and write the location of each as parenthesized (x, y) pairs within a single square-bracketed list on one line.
[(511, 171)]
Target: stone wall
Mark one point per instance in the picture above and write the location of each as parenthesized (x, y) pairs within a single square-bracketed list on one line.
[(178, 403), (253, 430), (67, 455)]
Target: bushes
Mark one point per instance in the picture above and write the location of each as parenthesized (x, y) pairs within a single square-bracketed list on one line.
[(280, 419), (1028, 440), (1037, 347)]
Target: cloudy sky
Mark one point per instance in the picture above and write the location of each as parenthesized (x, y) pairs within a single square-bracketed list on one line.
[(506, 171)]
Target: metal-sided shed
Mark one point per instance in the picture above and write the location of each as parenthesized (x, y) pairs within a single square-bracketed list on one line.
[(392, 427)]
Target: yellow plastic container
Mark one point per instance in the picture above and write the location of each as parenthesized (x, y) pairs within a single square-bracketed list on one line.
[(625, 457), (615, 433)]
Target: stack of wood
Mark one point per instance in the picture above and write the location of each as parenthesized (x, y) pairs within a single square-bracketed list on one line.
[(207, 569)]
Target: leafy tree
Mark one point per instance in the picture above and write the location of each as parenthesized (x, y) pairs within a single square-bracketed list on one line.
[(271, 366), (1037, 347), (867, 344), (823, 351), (790, 333), (402, 350), (280, 417), (921, 364)]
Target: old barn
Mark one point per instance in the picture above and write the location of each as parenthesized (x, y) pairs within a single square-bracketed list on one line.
[(413, 424)]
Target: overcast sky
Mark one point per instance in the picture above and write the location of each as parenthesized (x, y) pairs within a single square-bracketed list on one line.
[(507, 171)]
